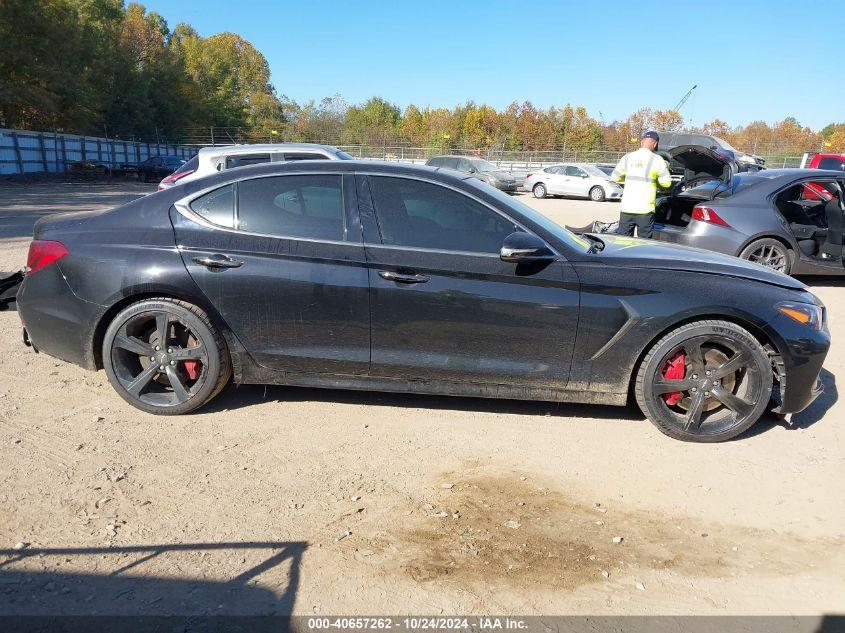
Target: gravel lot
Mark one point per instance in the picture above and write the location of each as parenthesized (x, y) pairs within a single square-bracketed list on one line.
[(284, 500)]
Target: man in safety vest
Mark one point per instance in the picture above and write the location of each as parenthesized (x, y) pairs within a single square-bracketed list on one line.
[(642, 171)]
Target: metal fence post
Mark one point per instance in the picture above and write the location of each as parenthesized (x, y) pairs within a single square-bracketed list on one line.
[(43, 152), (84, 147), (17, 146), (64, 155)]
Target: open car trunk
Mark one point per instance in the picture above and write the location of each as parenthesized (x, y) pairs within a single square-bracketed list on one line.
[(706, 173)]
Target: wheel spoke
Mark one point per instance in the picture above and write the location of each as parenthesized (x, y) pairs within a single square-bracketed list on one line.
[(142, 380), (179, 389), (162, 327), (133, 344), (187, 353), (694, 354), (735, 362), (732, 402), (662, 385), (693, 419)]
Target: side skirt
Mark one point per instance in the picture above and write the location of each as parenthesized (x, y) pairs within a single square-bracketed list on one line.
[(261, 376)]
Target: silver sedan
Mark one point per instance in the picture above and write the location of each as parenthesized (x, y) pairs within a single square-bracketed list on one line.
[(573, 179)]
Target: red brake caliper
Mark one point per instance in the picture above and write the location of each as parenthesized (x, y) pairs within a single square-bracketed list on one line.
[(675, 370), (192, 368)]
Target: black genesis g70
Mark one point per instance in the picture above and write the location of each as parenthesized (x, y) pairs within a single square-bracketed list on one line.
[(390, 277)]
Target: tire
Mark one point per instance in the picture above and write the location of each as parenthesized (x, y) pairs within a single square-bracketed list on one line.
[(597, 194), (770, 253), (702, 407), (539, 190), (188, 371), (142, 176)]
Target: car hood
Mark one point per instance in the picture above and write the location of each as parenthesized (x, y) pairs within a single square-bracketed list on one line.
[(699, 161), (631, 252)]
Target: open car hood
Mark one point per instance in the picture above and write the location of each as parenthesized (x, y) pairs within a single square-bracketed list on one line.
[(702, 162), (620, 250)]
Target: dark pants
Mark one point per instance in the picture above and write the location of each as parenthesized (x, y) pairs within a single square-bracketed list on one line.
[(643, 221)]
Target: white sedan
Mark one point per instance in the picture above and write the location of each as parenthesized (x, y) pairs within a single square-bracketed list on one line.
[(573, 179)]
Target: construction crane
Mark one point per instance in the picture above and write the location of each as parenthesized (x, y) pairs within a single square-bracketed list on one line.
[(683, 100)]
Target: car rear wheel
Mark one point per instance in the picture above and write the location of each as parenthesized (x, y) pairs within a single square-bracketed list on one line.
[(770, 253), (165, 356), (142, 176), (539, 190), (597, 194), (706, 381)]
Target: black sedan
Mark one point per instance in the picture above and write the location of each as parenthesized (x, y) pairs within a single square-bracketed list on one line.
[(157, 167), (386, 277)]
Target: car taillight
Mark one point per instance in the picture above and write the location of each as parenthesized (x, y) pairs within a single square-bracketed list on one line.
[(706, 214), (172, 178), (42, 253)]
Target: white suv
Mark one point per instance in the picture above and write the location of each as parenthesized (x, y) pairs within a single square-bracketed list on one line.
[(213, 159)]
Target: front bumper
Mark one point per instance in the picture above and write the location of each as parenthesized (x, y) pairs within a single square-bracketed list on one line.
[(799, 364)]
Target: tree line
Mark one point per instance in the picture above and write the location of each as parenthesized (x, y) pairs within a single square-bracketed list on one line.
[(103, 67)]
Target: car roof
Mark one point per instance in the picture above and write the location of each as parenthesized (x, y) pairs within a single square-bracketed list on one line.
[(797, 172), (250, 148)]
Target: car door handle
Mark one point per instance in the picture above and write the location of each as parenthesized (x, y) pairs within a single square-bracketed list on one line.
[(402, 279), (218, 261)]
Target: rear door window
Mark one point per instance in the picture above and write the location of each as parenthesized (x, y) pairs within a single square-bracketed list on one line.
[(450, 163), (217, 207), (419, 214), (305, 206), (241, 160)]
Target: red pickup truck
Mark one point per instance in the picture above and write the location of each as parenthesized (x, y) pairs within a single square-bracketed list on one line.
[(827, 161)]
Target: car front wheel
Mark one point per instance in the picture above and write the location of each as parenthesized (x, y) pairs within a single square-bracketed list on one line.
[(539, 190), (165, 356), (706, 381), (597, 194)]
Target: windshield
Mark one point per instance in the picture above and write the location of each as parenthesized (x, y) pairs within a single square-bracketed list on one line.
[(723, 144), (594, 171), (574, 241), (344, 156), (482, 165), (191, 165)]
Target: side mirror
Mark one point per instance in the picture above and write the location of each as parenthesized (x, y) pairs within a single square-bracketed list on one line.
[(585, 175), (473, 170), (523, 247)]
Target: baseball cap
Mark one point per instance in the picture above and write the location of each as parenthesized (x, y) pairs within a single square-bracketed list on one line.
[(652, 135)]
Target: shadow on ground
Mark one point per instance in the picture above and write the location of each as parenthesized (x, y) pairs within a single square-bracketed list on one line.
[(33, 592), (806, 418)]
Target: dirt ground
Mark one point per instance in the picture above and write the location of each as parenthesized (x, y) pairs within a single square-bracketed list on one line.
[(284, 500)]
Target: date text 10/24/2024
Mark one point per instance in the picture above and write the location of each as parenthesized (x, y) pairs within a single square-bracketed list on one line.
[(418, 623)]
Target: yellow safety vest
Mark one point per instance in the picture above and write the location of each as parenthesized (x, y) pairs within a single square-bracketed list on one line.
[(641, 171)]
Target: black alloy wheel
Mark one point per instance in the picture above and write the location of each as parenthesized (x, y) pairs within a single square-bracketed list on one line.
[(769, 253), (705, 382), (165, 356)]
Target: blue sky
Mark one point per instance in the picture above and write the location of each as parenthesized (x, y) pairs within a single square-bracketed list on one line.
[(751, 60)]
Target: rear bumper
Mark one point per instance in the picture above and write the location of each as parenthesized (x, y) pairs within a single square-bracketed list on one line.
[(55, 320), (701, 235)]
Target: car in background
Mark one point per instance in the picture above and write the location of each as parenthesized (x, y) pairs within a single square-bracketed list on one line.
[(827, 161), (789, 220), (89, 167), (395, 277), (742, 160), (157, 167), (573, 179), (479, 168), (210, 160), (784, 219)]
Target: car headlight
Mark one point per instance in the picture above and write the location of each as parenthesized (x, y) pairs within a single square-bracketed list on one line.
[(805, 313)]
